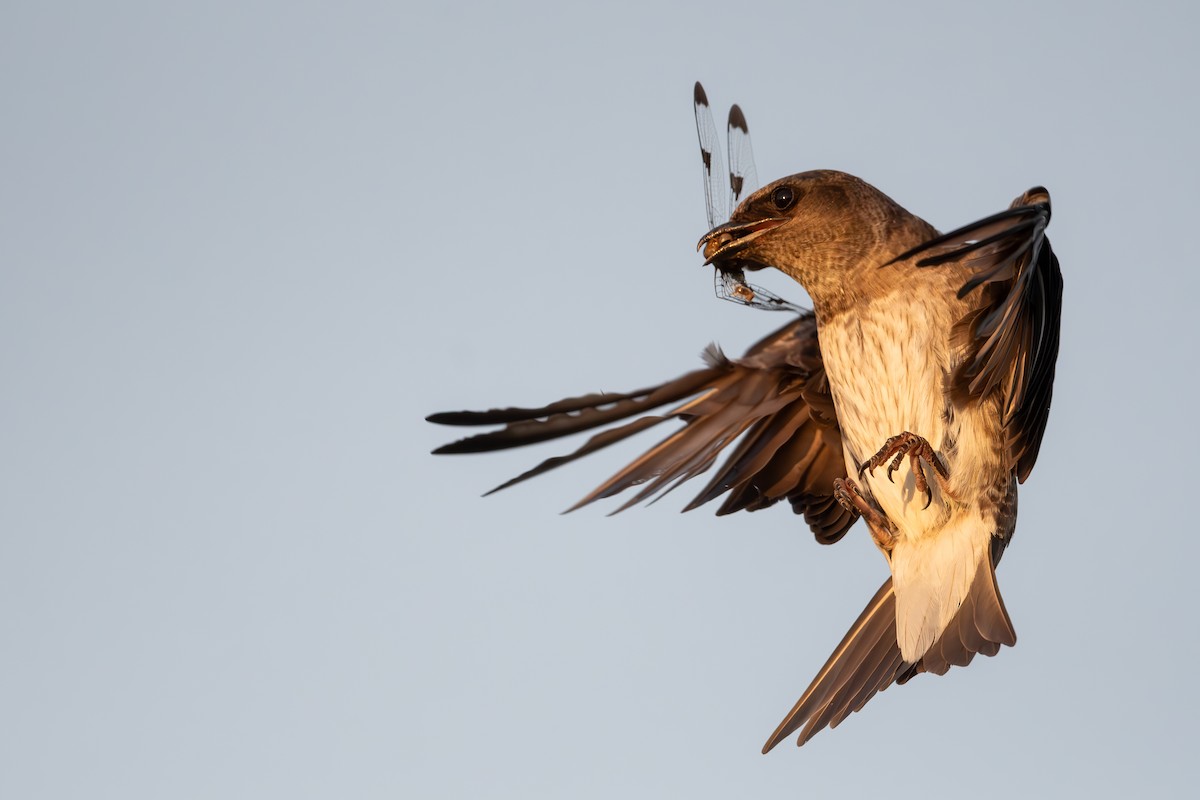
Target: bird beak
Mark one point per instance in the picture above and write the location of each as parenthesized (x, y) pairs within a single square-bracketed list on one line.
[(730, 238)]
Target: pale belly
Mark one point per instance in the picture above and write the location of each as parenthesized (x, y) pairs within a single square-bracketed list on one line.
[(887, 377)]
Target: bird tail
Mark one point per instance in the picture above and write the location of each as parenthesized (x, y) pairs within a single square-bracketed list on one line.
[(868, 659), (980, 624), (934, 579)]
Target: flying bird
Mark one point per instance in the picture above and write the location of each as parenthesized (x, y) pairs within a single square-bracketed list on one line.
[(914, 395)]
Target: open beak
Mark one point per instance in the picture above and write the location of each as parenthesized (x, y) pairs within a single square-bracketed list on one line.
[(725, 240)]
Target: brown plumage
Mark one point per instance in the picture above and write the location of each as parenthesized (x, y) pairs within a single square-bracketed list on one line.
[(951, 337), (774, 398)]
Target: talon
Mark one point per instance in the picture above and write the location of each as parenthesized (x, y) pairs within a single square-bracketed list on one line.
[(842, 496), (845, 491), (916, 448), (938, 466), (895, 465), (919, 479)]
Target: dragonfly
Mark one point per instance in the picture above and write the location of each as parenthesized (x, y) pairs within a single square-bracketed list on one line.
[(721, 200)]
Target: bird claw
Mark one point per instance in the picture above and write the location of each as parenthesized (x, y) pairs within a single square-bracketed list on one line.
[(916, 448), (846, 492)]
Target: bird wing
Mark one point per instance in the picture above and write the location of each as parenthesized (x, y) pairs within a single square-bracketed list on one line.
[(772, 408), (1010, 340)]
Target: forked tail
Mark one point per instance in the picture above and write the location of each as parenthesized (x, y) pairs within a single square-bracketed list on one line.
[(868, 658)]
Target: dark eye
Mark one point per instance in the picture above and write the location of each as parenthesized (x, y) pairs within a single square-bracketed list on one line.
[(783, 197)]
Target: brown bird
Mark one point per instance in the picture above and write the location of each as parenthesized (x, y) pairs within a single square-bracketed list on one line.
[(914, 395)]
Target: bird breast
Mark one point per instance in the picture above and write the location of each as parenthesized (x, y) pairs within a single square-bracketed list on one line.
[(886, 362)]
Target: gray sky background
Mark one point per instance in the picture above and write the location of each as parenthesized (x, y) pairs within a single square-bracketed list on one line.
[(246, 247)]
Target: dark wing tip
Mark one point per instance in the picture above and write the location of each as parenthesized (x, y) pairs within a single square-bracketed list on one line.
[(470, 418), (737, 119), (698, 95), (493, 416), (453, 448)]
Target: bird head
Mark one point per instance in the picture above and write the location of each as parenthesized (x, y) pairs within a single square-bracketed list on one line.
[(822, 228)]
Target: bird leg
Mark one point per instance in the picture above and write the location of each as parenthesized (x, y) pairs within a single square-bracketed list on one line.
[(916, 448), (845, 491)]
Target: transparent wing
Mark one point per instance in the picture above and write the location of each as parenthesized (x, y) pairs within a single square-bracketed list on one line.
[(716, 203), (743, 179), (730, 284)]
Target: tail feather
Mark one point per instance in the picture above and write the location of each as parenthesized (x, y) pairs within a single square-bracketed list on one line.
[(865, 652), (981, 625), (868, 659)]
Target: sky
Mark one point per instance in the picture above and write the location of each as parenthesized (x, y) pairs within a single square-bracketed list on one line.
[(245, 248)]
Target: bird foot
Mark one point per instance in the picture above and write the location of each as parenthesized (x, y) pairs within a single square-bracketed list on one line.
[(917, 448), (845, 491)]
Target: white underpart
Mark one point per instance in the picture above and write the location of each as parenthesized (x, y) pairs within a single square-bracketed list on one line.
[(887, 377)]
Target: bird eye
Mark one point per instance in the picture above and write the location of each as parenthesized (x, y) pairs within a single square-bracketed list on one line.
[(783, 197)]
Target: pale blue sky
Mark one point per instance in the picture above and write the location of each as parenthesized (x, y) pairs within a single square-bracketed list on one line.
[(247, 247)]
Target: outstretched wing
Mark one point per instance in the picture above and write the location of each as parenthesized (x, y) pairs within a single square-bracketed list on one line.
[(772, 407), (1010, 340)]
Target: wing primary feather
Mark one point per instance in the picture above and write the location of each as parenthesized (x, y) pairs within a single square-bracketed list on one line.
[(768, 416), (597, 442), (529, 426)]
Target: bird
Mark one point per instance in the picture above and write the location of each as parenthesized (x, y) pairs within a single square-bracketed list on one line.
[(913, 395)]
